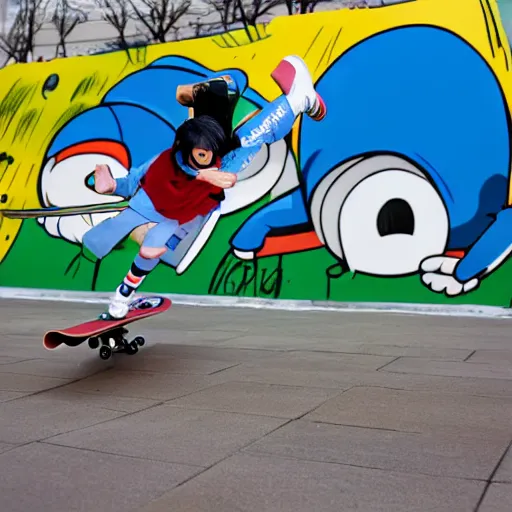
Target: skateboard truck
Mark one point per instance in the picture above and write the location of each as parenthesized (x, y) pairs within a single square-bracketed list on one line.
[(114, 341)]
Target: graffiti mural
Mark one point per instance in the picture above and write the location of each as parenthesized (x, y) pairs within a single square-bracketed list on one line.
[(402, 193)]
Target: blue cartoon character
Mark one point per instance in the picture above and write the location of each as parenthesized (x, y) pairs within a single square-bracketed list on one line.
[(408, 173), (183, 183), (136, 120)]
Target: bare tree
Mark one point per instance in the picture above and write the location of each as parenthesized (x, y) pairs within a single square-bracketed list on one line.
[(369, 4), (19, 42), (248, 14), (65, 18), (251, 11), (117, 13), (303, 6), (13, 43), (233, 14), (160, 17), (226, 11)]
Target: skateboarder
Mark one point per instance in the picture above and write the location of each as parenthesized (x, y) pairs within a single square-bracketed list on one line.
[(187, 180)]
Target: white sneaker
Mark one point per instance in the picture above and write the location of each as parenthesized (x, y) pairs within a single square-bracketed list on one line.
[(293, 78), (118, 307)]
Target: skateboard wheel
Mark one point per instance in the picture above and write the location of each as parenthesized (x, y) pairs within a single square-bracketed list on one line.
[(132, 348), (94, 343), (105, 352), (140, 341)]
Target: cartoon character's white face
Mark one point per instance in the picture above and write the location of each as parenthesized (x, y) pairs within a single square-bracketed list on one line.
[(381, 215), (65, 184)]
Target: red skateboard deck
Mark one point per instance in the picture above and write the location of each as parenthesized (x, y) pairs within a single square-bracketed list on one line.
[(140, 308)]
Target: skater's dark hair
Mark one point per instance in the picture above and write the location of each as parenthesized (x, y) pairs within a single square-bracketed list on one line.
[(201, 132)]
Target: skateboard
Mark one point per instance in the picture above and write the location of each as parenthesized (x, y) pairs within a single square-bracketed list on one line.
[(63, 211), (106, 333)]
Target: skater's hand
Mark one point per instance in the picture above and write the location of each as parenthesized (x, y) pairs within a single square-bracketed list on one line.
[(104, 183), (217, 178), (437, 273)]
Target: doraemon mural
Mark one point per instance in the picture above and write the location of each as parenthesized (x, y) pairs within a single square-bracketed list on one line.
[(406, 181), (409, 172)]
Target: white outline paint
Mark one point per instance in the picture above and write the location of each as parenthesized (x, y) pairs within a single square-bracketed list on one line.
[(492, 312)]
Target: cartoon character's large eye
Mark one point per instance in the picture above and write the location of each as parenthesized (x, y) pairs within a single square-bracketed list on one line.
[(381, 215), (67, 183)]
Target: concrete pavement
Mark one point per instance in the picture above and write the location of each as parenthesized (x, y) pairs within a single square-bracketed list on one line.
[(244, 410)]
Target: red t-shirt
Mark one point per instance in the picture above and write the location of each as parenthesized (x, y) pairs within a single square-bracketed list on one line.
[(175, 194)]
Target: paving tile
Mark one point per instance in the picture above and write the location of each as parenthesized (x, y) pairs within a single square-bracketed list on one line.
[(61, 369), (498, 498), (504, 472), (173, 434), (24, 351), (280, 342), (319, 361), (438, 353), (434, 337), (39, 416), (213, 353), (46, 477), (499, 357), (28, 383), (262, 372), (9, 359), (413, 411), (254, 398), (5, 396), (449, 368), (434, 383), (6, 446), (247, 372), (156, 386), (156, 335), (276, 341), (338, 329), (169, 364), (431, 454), (246, 483), (288, 328), (104, 401)]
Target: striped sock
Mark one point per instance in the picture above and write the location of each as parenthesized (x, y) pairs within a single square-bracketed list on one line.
[(136, 275)]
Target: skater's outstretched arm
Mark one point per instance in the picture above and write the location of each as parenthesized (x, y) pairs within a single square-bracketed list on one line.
[(105, 183), (128, 185), (238, 159)]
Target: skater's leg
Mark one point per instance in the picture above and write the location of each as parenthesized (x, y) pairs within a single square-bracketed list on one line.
[(139, 269), (293, 78), (276, 119), (146, 260), (101, 239), (181, 240)]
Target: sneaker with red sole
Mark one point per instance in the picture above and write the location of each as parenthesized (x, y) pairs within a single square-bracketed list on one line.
[(293, 78)]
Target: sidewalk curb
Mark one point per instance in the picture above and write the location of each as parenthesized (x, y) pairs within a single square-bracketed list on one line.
[(270, 304)]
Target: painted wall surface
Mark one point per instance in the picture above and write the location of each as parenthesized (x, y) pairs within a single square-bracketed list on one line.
[(401, 194)]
